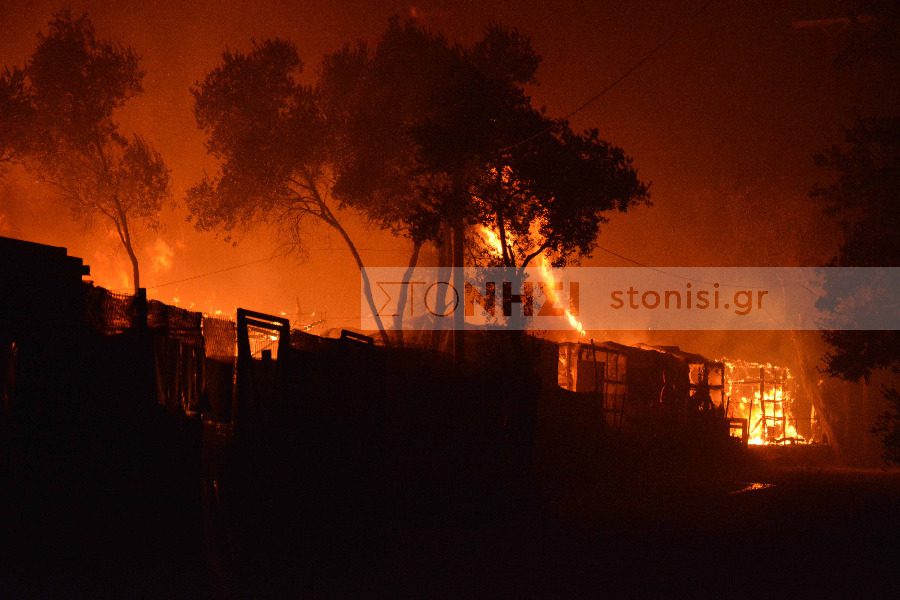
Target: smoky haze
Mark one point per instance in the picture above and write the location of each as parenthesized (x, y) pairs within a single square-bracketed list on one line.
[(723, 121)]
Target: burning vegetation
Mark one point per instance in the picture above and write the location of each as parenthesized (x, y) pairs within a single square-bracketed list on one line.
[(550, 286)]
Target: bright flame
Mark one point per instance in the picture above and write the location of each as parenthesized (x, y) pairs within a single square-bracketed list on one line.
[(550, 289), (770, 416), (492, 239)]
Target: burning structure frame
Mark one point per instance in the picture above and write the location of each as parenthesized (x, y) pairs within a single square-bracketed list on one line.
[(644, 386)]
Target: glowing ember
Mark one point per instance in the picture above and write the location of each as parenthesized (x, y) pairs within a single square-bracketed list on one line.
[(752, 487)]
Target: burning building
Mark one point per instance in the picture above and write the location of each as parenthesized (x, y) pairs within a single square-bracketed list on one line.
[(649, 386), (763, 400)]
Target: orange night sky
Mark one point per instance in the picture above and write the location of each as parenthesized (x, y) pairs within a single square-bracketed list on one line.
[(723, 121)]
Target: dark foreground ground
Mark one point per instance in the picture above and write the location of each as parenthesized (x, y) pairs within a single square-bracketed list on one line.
[(667, 524), (821, 533)]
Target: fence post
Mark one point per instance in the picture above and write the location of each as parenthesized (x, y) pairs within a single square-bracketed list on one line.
[(140, 310)]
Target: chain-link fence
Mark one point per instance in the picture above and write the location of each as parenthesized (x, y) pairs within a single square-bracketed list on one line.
[(108, 312), (220, 338)]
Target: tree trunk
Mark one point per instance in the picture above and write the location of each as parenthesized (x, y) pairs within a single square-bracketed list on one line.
[(367, 286), (404, 290), (459, 319), (135, 269), (439, 336), (124, 232)]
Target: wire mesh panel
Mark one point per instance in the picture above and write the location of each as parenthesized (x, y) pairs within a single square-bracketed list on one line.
[(220, 343), (108, 312), (220, 338), (178, 323)]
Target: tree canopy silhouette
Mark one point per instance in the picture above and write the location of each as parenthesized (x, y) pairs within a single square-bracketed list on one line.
[(61, 128), (862, 197), (275, 144), (437, 135), (15, 115), (419, 135)]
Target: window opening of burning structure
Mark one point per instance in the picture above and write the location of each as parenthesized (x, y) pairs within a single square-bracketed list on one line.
[(765, 399)]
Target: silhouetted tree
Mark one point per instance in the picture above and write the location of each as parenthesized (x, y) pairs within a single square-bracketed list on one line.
[(422, 124), (436, 134), (373, 97), (15, 115), (438, 137), (62, 129), (551, 198), (275, 144), (418, 135), (863, 198)]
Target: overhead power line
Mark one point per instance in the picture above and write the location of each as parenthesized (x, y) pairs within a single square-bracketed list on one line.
[(225, 270), (627, 73)]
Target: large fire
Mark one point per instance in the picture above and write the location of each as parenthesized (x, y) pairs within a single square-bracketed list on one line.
[(492, 240), (759, 403), (765, 396)]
